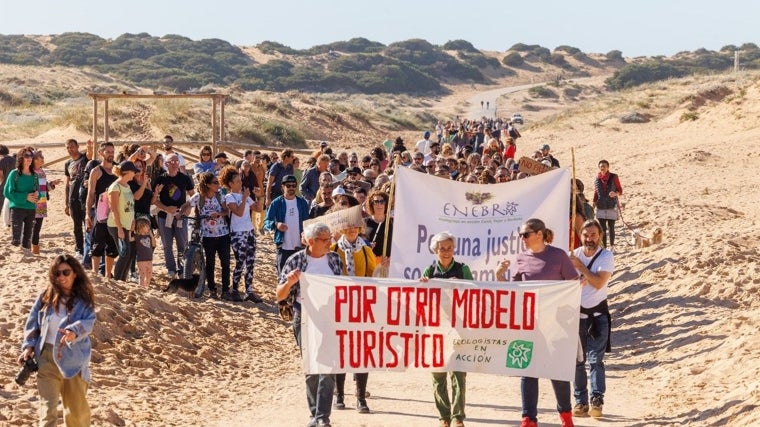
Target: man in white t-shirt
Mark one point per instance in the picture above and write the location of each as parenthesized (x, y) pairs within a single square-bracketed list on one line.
[(423, 145), (285, 218), (595, 265), (315, 258)]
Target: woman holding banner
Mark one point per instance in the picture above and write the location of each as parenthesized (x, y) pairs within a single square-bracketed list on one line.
[(540, 261), (358, 260), (443, 245)]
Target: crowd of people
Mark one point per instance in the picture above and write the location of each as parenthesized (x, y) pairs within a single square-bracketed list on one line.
[(118, 203)]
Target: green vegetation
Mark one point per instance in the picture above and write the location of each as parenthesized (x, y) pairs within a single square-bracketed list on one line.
[(542, 92), (689, 116), (513, 59)]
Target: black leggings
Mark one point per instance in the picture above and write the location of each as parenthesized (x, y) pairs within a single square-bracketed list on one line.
[(607, 224)]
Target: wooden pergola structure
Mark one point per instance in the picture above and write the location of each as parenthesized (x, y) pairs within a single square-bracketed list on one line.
[(217, 116)]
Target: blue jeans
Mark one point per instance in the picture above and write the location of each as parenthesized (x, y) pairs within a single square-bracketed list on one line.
[(593, 352), (319, 388), (169, 235), (126, 253), (529, 391)]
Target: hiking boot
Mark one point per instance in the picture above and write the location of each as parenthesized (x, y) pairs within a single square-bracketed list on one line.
[(580, 410), (527, 422), (253, 298), (234, 295), (567, 419), (339, 402), (445, 423), (361, 406), (595, 410)]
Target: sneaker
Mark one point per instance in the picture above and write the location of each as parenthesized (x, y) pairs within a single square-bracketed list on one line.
[(527, 422), (339, 403), (580, 410), (212, 294), (445, 423), (253, 298), (234, 295), (566, 418), (458, 423), (595, 409), (361, 406)]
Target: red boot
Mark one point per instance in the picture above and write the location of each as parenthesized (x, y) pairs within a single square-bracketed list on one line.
[(527, 422), (567, 419)]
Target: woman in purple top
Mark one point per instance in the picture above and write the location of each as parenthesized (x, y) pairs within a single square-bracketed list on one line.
[(540, 261)]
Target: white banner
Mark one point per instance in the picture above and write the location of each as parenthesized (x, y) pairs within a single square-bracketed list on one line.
[(358, 324), (484, 218)]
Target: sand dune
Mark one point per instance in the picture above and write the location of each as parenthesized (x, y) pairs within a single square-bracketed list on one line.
[(685, 312)]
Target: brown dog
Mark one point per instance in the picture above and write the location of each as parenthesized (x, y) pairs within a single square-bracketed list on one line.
[(645, 242)]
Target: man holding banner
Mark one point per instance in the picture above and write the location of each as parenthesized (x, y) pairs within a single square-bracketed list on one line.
[(541, 261), (316, 258)]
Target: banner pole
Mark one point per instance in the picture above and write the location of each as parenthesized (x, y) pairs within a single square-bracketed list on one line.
[(388, 220), (573, 202)]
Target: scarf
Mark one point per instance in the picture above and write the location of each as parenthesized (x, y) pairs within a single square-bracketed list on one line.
[(350, 249), (603, 177)]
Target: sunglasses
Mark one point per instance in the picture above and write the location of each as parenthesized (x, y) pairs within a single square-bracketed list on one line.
[(378, 201), (66, 272), (290, 185), (205, 154), (525, 234), (28, 155)]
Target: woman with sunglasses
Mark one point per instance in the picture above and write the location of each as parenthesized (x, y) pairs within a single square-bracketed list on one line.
[(540, 261), (216, 233), (42, 198), (206, 162), (22, 191), (57, 336), (377, 206)]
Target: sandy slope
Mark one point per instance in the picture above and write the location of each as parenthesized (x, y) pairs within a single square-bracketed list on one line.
[(686, 312)]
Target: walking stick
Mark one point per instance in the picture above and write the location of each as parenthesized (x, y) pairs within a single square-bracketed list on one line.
[(384, 270), (573, 202)]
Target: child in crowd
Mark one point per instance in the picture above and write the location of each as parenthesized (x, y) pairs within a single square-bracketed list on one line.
[(145, 242)]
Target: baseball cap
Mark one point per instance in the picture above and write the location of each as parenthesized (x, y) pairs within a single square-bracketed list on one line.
[(127, 166), (323, 144), (426, 134), (545, 147), (288, 179)]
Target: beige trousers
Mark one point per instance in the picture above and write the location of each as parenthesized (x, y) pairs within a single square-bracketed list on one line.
[(51, 385)]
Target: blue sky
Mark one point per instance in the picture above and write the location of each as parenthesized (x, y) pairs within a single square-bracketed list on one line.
[(644, 27)]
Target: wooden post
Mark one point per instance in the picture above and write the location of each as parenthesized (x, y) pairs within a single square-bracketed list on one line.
[(221, 119), (214, 130), (106, 133), (95, 120)]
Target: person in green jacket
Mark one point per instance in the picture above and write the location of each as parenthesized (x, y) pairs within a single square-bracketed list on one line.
[(451, 412), (21, 190)]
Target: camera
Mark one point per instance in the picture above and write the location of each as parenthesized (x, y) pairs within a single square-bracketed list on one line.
[(30, 366)]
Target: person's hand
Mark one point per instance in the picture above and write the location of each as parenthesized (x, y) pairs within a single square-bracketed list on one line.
[(32, 197), (424, 279), (120, 233), (88, 222), (293, 277), (501, 271), (257, 191), (282, 226), (575, 260), (56, 182), (246, 193), (26, 354), (158, 188), (68, 335), (66, 211), (613, 194)]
